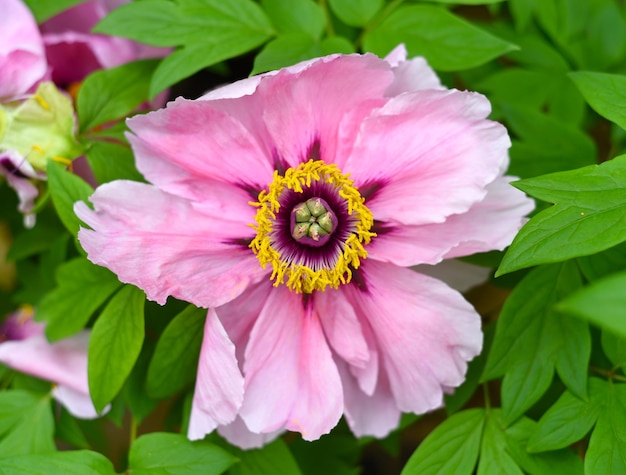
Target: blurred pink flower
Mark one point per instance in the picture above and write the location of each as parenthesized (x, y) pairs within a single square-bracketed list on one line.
[(22, 57), (73, 51), (24, 347), (291, 205)]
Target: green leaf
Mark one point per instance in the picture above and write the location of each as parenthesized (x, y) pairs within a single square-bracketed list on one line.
[(35, 240), (590, 204), (614, 348), (545, 463), (174, 454), (602, 303), (522, 11), (111, 94), (504, 450), (114, 345), (448, 42), (191, 59), (112, 161), (284, 51), (532, 340), (45, 9), (175, 358), (336, 44), (356, 12), (296, 16), (494, 456), (605, 93), (336, 455), (82, 288), (569, 419), (272, 459), (66, 189), (26, 423), (600, 265), (154, 22), (75, 462), (607, 447), (452, 448), (187, 22), (547, 144)]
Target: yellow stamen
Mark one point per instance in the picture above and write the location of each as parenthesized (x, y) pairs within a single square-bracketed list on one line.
[(41, 101), (300, 278)]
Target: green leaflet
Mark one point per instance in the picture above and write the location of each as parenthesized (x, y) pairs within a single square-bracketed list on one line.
[(605, 93), (82, 288), (115, 344), (589, 209), (602, 303), (532, 340), (174, 454), (448, 42)]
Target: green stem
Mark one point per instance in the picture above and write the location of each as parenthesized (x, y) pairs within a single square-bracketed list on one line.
[(487, 397), (330, 31), (133, 431), (609, 374)]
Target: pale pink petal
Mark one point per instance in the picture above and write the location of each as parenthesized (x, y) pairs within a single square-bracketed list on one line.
[(488, 225), (247, 86), (204, 142), (304, 112), (374, 415), (238, 315), (219, 385), (291, 379), (412, 75), (63, 363), (237, 433), (77, 403), (19, 175), (438, 151), (341, 327), (172, 250), (459, 275), (22, 58), (426, 332)]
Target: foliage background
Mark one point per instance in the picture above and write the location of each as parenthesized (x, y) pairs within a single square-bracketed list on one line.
[(548, 394)]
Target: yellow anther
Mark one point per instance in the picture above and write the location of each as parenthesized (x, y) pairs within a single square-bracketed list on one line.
[(41, 101)]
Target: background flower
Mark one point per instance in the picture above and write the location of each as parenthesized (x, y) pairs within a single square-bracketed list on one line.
[(337, 334), (24, 347)]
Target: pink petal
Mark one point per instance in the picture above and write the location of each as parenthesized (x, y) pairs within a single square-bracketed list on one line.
[(206, 144), (459, 275), (374, 415), (291, 379), (165, 246), (341, 327), (239, 315), (22, 58), (426, 332), (219, 385), (409, 76), (488, 225), (238, 434), (77, 403), (308, 107), (63, 363), (439, 154)]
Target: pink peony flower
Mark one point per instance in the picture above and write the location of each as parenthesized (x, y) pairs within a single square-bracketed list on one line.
[(291, 206), (24, 347), (73, 51), (22, 57)]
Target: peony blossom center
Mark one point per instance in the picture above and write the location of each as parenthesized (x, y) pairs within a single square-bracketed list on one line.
[(312, 227), (312, 222)]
